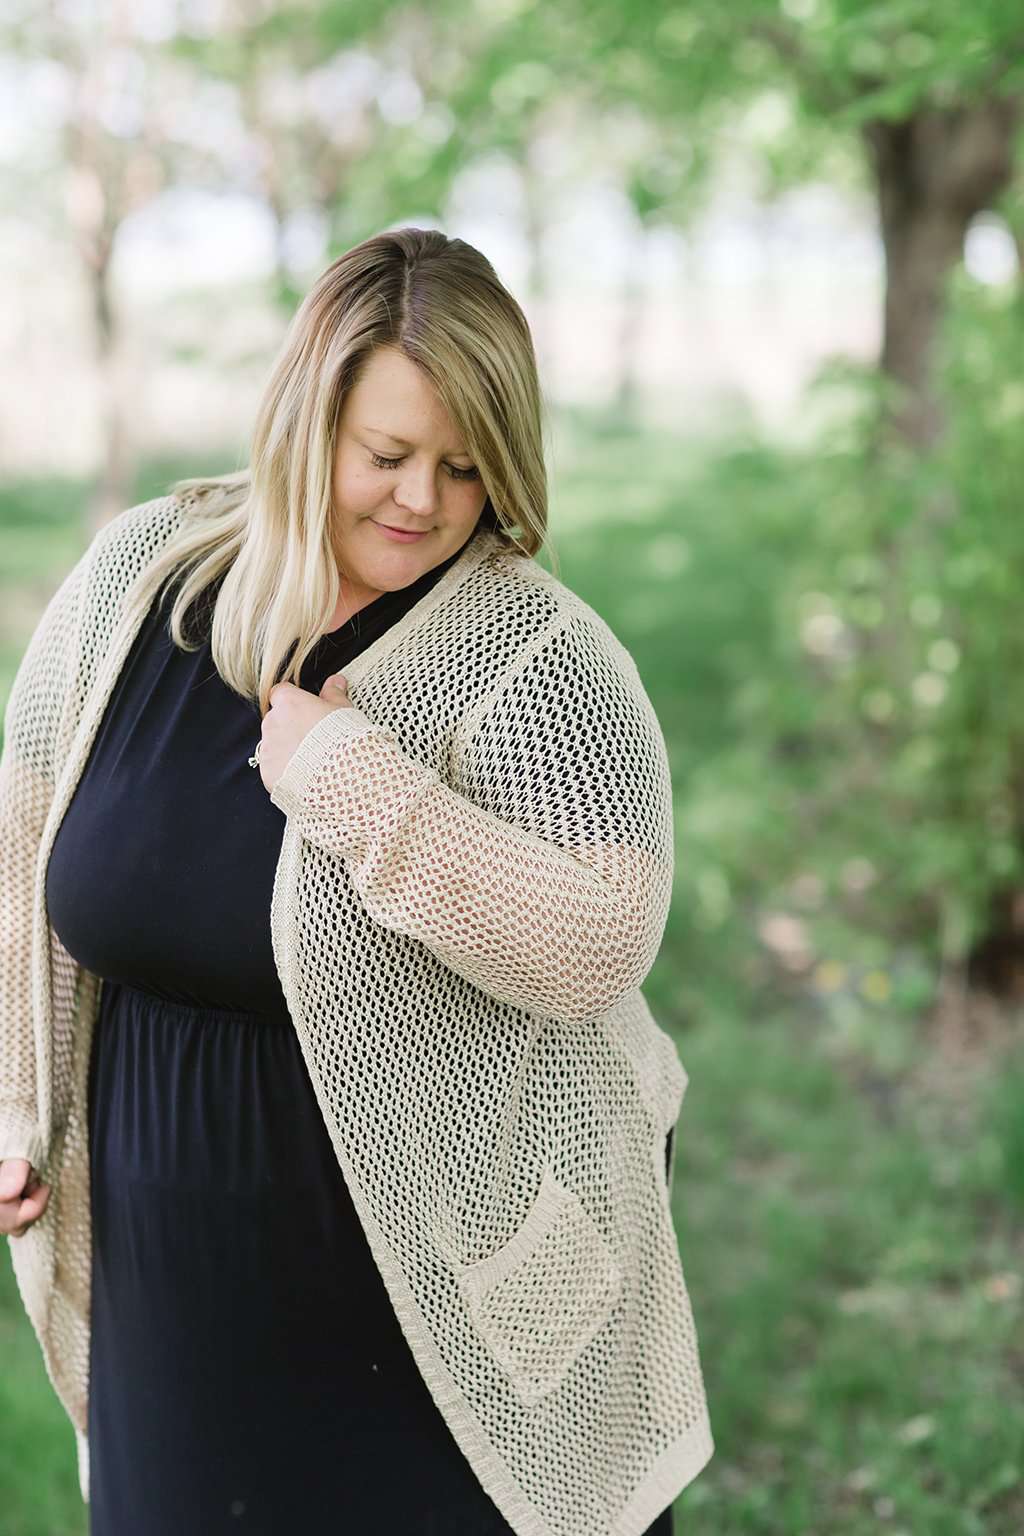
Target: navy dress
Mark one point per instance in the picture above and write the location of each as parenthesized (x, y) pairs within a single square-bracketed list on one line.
[(247, 1369)]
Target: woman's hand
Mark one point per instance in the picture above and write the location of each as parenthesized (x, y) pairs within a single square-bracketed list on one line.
[(292, 713), (23, 1196)]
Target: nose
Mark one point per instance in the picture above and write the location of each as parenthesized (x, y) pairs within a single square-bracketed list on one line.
[(416, 493)]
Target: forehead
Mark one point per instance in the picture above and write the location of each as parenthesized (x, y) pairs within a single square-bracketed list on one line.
[(393, 401)]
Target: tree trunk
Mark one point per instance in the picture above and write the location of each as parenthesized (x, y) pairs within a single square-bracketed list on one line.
[(94, 210), (112, 492), (934, 172)]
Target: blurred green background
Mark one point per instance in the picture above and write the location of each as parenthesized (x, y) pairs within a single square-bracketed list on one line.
[(773, 258)]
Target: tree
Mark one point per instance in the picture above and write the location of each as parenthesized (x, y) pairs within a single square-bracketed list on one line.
[(933, 90), (929, 90)]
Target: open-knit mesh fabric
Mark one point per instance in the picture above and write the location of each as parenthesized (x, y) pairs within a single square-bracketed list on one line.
[(474, 879)]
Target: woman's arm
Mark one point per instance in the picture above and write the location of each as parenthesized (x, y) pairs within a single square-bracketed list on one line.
[(546, 880)]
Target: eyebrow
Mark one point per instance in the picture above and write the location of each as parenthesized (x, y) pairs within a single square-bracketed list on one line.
[(453, 453)]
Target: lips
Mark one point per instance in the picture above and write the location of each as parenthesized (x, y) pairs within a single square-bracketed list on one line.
[(400, 535)]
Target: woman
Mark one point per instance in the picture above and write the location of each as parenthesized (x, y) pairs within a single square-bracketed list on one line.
[(334, 1120)]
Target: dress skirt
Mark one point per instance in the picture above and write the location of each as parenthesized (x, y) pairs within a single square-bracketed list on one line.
[(247, 1370)]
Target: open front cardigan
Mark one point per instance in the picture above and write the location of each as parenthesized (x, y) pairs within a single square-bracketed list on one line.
[(473, 883)]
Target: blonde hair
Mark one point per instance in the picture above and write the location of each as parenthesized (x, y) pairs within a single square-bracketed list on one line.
[(264, 533)]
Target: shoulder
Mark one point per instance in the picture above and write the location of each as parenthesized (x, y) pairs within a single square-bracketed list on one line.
[(546, 610), (125, 547), (138, 534), (116, 562), (536, 629)]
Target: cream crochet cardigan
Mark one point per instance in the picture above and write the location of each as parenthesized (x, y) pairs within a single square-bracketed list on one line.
[(473, 883)]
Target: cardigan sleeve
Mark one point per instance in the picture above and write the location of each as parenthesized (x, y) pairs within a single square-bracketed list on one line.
[(28, 771), (545, 878)]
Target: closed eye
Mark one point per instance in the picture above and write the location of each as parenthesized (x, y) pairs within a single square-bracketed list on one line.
[(453, 469)]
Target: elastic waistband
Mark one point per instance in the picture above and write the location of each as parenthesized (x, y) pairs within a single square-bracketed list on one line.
[(192, 1011)]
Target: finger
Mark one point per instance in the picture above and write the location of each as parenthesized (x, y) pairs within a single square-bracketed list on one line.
[(14, 1223), (281, 687), (13, 1173), (33, 1207)]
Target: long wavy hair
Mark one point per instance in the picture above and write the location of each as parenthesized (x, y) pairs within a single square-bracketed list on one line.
[(257, 543)]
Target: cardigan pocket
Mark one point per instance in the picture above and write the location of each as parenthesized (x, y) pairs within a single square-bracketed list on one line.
[(542, 1297)]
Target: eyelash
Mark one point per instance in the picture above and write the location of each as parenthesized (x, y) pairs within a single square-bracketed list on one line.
[(453, 470)]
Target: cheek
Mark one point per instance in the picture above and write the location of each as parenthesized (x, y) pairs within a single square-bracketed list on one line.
[(354, 488), (468, 493), (477, 495)]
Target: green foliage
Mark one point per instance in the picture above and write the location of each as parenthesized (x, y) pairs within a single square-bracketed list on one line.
[(999, 1160), (828, 66), (38, 1460), (838, 1247), (900, 632)]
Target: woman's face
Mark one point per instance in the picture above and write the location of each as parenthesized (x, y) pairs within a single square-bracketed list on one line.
[(400, 463)]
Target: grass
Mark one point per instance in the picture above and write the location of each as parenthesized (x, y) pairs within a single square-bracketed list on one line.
[(848, 1196), (855, 1274), (39, 1493)]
